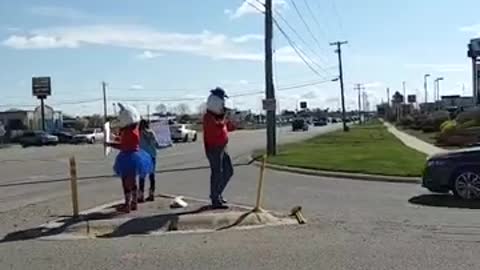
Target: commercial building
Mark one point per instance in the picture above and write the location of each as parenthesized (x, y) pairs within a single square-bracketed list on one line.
[(14, 119)]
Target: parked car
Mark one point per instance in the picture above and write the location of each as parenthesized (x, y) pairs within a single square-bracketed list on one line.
[(91, 136), (37, 138), (299, 124), (456, 171), (63, 136), (182, 132), (320, 122)]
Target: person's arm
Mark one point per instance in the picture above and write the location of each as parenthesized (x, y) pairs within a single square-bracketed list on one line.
[(115, 145)]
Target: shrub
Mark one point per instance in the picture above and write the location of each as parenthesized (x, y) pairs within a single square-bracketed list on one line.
[(448, 127)]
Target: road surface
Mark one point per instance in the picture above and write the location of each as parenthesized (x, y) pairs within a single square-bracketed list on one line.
[(352, 224)]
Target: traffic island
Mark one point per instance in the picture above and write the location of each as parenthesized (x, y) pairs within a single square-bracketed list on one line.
[(152, 218), (368, 151)]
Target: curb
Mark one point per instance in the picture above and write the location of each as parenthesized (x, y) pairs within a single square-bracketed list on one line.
[(342, 175)]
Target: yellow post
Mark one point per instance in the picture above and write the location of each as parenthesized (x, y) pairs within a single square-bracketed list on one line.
[(73, 185), (258, 205)]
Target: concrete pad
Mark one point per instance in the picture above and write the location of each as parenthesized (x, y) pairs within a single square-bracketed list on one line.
[(156, 218)]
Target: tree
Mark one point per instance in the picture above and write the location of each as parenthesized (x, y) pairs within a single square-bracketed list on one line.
[(202, 108), (95, 121), (182, 109), (161, 108), (80, 123)]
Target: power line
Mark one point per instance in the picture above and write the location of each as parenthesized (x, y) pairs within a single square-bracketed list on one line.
[(317, 22), (302, 40), (297, 50), (305, 23), (248, 93)]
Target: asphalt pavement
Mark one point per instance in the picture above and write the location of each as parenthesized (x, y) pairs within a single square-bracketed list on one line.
[(352, 224)]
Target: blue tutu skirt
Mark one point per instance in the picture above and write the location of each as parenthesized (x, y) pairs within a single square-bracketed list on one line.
[(133, 163)]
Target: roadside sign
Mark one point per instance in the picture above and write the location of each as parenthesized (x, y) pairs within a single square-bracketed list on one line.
[(269, 104), (303, 105), (412, 98), (41, 86)]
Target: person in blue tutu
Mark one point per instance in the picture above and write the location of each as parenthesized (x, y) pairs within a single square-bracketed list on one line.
[(131, 162)]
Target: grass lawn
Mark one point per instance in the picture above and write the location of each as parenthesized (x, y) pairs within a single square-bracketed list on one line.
[(369, 148)]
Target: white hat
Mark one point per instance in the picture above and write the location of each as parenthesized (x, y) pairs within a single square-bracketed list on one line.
[(128, 115)]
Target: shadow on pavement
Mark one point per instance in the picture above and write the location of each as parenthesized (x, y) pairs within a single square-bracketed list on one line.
[(145, 225), (444, 200), (42, 231), (96, 177)]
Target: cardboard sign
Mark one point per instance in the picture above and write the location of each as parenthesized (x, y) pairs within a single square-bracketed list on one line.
[(162, 132), (107, 135)]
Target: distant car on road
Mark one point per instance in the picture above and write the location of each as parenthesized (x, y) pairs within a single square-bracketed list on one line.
[(37, 138), (299, 124), (320, 122), (91, 136), (456, 171), (183, 132), (63, 136)]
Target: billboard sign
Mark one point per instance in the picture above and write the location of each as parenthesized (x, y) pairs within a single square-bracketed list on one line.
[(303, 105), (412, 98), (41, 86)]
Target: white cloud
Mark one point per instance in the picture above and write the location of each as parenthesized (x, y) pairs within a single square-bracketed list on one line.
[(474, 28), (136, 87), (213, 45), (287, 55), (149, 55), (309, 95), (440, 67), (373, 84), (249, 7), (247, 38)]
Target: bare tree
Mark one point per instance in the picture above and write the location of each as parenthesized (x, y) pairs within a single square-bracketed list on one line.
[(182, 109), (202, 108), (161, 108)]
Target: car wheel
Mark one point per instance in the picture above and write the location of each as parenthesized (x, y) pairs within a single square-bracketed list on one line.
[(466, 184), (92, 140), (194, 138), (186, 138)]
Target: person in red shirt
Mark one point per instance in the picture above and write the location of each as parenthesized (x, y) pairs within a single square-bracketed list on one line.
[(215, 136), (131, 161)]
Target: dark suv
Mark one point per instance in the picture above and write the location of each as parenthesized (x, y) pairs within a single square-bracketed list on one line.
[(299, 124), (456, 171)]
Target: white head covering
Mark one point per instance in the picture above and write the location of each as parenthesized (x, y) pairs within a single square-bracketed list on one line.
[(215, 104), (128, 115)]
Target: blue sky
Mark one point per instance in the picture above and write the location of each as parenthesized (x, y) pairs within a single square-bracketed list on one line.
[(158, 51)]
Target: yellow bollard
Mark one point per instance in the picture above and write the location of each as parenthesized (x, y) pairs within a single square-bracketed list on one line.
[(73, 185), (258, 205)]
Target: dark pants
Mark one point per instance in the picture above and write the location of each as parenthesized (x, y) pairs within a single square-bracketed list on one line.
[(151, 177), (221, 171)]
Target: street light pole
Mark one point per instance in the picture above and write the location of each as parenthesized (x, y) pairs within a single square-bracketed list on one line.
[(425, 86), (404, 92), (437, 87), (339, 44)]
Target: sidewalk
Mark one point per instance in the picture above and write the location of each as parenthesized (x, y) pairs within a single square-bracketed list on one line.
[(413, 142)]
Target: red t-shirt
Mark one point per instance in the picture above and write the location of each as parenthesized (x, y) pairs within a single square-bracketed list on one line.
[(129, 139), (215, 130)]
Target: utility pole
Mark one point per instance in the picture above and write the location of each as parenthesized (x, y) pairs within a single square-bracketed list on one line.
[(339, 44), (404, 92), (104, 89), (388, 96), (269, 88), (148, 113), (359, 88), (425, 86)]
